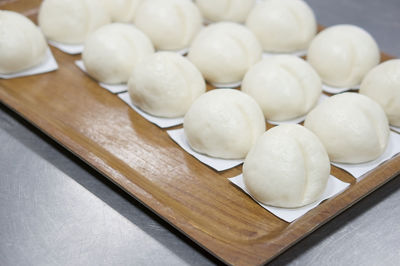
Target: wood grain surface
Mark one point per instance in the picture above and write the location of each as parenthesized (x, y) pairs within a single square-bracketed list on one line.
[(139, 157)]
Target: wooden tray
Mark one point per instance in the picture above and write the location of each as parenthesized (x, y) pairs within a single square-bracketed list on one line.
[(140, 158)]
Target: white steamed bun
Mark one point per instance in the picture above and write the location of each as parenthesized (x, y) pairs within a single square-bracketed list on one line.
[(287, 167), (112, 51), (225, 10), (224, 51), (165, 84), (352, 127), (70, 21), (123, 10), (283, 25), (22, 44), (284, 86), (224, 123), (382, 84), (170, 24), (343, 54)]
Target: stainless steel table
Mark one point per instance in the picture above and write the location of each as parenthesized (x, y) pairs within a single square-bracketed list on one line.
[(55, 210)]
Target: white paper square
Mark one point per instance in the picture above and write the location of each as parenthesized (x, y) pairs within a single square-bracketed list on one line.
[(178, 135), (226, 85), (298, 119), (68, 48), (113, 88), (396, 129), (49, 64), (295, 53), (334, 90), (159, 121), (358, 170), (333, 187)]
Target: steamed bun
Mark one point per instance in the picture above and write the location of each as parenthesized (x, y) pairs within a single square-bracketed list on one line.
[(224, 51), (170, 24), (22, 44), (123, 10), (112, 51), (224, 123), (352, 127), (225, 10), (70, 21), (284, 86), (382, 84), (283, 25), (287, 167), (165, 84), (343, 54)]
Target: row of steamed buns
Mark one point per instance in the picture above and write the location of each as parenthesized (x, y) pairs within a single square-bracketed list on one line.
[(165, 85), (287, 166), (223, 51), (172, 25)]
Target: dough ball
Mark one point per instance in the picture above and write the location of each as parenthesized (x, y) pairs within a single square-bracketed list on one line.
[(112, 51), (165, 84), (225, 10), (123, 10), (352, 127), (287, 167), (343, 54), (224, 51), (70, 21), (283, 25), (22, 44), (170, 24), (284, 86), (382, 84), (224, 123)]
